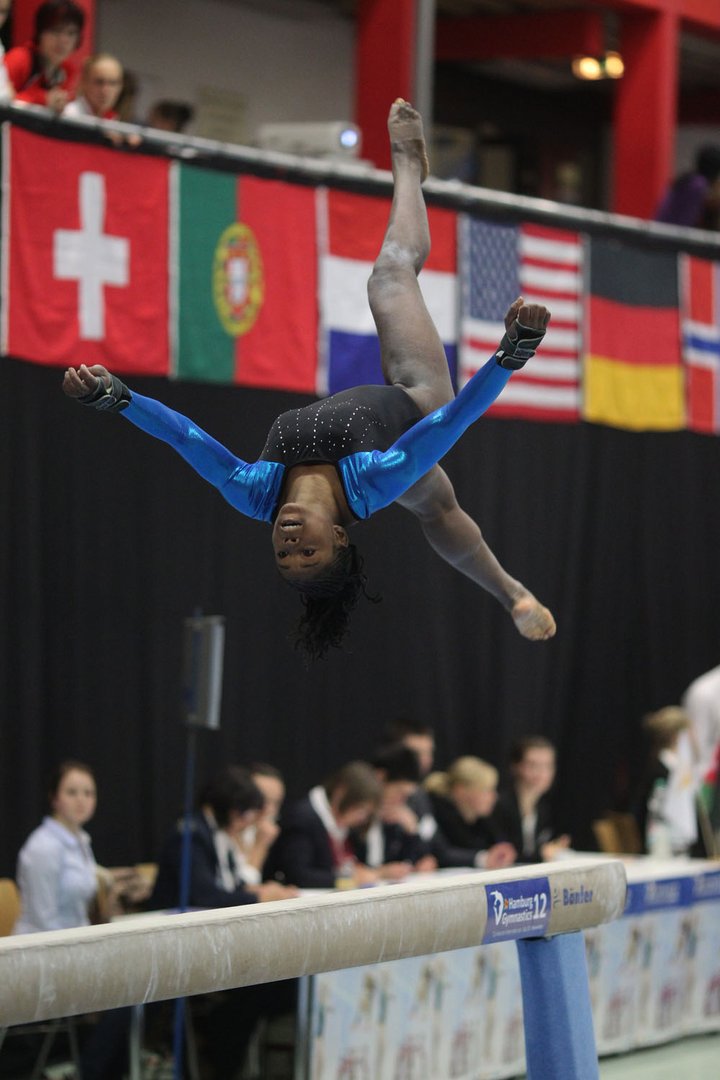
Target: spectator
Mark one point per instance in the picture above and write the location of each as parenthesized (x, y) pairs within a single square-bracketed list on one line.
[(694, 197), (125, 104), (228, 804), (417, 736), (56, 871), (101, 81), (391, 843), (523, 813), (7, 92), (169, 116), (462, 800), (664, 804), (58, 881), (420, 737), (313, 849), (700, 745), (42, 71), (258, 838)]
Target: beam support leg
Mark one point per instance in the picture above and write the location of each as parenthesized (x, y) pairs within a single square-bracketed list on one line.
[(559, 1034)]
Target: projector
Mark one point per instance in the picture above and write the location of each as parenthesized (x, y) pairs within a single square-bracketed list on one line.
[(332, 139)]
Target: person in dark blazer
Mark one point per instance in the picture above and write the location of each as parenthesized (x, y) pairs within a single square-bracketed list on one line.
[(229, 804), (462, 799), (523, 812), (313, 849), (391, 843)]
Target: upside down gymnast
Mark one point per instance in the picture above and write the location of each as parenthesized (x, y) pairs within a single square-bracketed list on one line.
[(340, 460)]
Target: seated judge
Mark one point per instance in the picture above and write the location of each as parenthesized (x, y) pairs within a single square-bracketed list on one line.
[(228, 804), (523, 813), (314, 850), (391, 842), (462, 799)]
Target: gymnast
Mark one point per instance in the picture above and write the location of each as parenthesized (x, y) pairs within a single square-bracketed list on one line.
[(339, 460)]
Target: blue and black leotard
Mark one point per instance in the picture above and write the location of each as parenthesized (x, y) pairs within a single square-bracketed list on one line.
[(377, 438)]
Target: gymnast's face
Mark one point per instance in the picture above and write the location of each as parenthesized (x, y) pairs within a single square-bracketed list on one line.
[(305, 541)]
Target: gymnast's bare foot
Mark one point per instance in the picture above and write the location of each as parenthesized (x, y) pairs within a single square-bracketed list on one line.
[(406, 136), (533, 620)]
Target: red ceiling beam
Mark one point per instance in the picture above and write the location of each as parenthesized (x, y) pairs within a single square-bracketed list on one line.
[(513, 37)]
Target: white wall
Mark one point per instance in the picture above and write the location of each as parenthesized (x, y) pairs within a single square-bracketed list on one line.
[(287, 60)]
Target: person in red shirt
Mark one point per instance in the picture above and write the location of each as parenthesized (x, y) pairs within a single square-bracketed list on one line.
[(42, 71)]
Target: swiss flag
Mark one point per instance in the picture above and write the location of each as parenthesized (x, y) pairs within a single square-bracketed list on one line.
[(86, 255)]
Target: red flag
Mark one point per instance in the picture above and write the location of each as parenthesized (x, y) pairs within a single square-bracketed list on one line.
[(86, 255)]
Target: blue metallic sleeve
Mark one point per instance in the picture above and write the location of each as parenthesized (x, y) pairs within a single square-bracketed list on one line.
[(250, 488), (374, 480)]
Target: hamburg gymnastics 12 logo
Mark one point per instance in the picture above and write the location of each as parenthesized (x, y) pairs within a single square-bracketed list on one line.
[(517, 909), (238, 279)]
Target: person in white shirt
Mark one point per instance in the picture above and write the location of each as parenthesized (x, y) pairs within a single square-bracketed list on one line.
[(56, 869), (101, 83)]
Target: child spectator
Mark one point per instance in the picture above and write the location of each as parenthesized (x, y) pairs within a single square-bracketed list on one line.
[(42, 71)]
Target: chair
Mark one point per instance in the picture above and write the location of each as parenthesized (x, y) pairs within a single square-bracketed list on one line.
[(9, 906), (618, 834), (9, 911)]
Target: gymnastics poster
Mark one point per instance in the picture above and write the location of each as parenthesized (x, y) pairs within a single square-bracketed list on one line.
[(455, 1015)]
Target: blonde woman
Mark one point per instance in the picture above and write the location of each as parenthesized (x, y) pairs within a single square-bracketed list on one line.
[(462, 799)]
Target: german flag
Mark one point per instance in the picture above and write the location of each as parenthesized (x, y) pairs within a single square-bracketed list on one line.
[(633, 375)]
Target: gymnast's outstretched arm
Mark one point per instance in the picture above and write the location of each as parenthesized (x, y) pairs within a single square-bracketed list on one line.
[(377, 478), (453, 534), (249, 488)]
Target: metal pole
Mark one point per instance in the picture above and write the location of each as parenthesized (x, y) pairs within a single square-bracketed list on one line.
[(424, 76)]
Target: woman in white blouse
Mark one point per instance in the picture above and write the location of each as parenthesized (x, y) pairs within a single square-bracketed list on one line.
[(56, 869)]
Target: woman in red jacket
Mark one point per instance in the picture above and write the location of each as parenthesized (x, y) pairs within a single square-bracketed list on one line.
[(42, 71)]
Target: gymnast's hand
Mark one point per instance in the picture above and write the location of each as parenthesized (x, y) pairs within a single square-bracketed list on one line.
[(82, 381), (532, 316)]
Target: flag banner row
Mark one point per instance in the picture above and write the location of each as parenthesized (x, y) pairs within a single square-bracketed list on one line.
[(154, 266)]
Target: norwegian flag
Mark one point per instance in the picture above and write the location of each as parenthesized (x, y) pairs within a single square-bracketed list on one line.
[(499, 263), (700, 308)]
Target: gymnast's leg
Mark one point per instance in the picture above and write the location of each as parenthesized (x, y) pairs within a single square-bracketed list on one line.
[(411, 351), (458, 540)]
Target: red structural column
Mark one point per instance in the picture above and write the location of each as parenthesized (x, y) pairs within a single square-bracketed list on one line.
[(384, 69), (23, 23), (645, 111)]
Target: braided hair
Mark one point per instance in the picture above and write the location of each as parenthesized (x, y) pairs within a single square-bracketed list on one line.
[(328, 600)]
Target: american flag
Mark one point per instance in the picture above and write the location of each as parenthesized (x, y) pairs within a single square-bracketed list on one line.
[(700, 313), (499, 263)]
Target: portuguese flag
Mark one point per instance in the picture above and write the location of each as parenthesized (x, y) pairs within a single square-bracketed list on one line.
[(246, 309), (633, 367)]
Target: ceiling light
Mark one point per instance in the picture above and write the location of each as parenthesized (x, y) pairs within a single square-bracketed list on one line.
[(592, 68)]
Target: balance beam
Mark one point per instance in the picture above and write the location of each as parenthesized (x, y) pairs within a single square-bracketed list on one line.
[(156, 957)]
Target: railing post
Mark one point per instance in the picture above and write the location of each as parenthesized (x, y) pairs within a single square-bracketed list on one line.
[(559, 1034)]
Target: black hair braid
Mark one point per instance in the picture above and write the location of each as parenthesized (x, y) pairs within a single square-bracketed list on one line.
[(328, 602)]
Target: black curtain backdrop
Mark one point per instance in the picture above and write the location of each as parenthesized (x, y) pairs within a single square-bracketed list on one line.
[(108, 540)]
